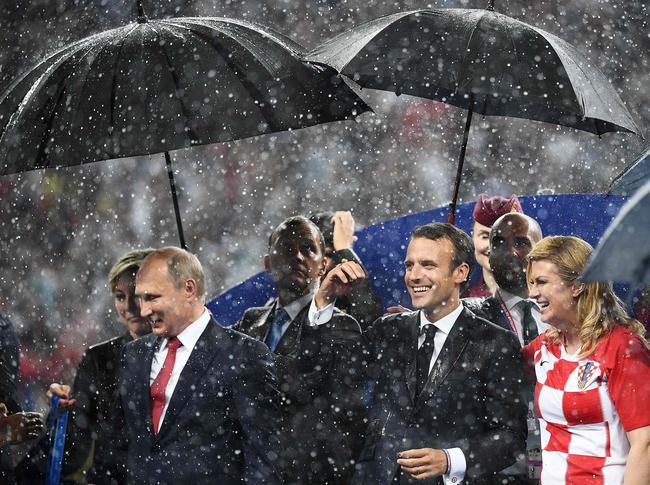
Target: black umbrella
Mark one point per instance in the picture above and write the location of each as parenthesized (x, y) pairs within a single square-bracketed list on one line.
[(481, 61), (633, 177), (160, 85)]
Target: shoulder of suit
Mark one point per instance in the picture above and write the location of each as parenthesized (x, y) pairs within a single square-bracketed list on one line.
[(483, 329), (115, 342), (395, 319), (238, 339)]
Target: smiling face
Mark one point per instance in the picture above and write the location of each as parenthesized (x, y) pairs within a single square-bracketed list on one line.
[(481, 240), (295, 260), (126, 305), (168, 309), (432, 281), (556, 298)]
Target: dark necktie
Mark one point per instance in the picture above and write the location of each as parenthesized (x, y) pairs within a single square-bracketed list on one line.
[(528, 323), (275, 332), (424, 357), (159, 384)]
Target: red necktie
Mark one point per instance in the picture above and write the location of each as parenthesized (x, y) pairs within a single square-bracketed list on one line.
[(159, 384)]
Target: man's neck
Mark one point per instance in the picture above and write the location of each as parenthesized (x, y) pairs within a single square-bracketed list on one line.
[(441, 311), (287, 297)]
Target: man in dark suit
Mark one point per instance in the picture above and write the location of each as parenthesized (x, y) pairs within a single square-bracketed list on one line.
[(338, 232), (197, 403), (512, 237), (324, 414), (448, 401)]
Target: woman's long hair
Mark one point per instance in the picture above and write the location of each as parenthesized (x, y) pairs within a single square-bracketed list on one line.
[(599, 309)]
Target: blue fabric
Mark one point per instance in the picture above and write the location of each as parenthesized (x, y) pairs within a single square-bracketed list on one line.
[(275, 332), (56, 431)]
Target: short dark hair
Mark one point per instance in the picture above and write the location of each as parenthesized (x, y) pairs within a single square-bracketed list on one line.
[(292, 222), (323, 220), (462, 243)]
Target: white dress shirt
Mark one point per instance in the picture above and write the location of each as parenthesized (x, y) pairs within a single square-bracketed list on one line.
[(292, 309), (458, 464), (512, 304), (188, 338)]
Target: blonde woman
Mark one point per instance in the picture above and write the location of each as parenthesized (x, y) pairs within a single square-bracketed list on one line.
[(592, 372)]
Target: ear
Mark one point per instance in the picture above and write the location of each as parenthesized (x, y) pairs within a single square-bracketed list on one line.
[(190, 287), (323, 265), (267, 263), (461, 273), (577, 288)]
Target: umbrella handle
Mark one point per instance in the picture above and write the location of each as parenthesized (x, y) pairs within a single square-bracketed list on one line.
[(461, 159), (142, 18), (490, 5), (177, 212)]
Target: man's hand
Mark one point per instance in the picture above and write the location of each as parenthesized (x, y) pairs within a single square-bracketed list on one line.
[(396, 309), (343, 234), (19, 427), (63, 391), (423, 463), (338, 282)]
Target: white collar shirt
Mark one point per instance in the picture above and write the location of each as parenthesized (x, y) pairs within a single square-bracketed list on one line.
[(444, 326), (512, 303), (188, 338)]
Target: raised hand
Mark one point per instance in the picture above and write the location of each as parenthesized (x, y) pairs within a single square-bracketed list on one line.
[(338, 282), (343, 234)]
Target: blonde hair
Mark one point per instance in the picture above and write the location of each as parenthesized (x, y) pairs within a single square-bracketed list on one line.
[(598, 308), (130, 261)]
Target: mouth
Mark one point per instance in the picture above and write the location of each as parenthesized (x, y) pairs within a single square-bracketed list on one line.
[(542, 304), (420, 289)]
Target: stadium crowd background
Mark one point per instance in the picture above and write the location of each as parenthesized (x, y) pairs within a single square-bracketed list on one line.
[(61, 230)]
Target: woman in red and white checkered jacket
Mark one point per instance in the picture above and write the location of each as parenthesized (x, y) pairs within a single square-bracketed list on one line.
[(592, 369)]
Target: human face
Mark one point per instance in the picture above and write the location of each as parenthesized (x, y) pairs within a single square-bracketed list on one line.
[(511, 239), (126, 306), (432, 283), (168, 309), (481, 239), (556, 298), (295, 261)]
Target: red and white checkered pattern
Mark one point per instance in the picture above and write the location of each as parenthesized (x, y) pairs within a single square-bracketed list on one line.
[(585, 406)]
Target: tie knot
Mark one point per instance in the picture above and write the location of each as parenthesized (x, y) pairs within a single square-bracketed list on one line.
[(173, 343), (429, 331), (281, 316)]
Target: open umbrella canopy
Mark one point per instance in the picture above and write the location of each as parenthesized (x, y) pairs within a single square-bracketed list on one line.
[(479, 60), (160, 85), (623, 253), (633, 177)]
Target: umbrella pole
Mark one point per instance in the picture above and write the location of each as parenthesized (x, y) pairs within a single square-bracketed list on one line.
[(461, 160), (177, 212)]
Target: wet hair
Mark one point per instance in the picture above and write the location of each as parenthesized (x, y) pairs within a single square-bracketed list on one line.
[(129, 262), (462, 243), (598, 308), (323, 221), (181, 266), (294, 221)]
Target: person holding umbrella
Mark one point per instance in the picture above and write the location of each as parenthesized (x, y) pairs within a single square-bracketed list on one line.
[(591, 371)]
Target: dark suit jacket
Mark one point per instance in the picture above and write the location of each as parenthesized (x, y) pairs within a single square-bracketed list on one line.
[(489, 309), (324, 414), (223, 420), (95, 389), (472, 399), (361, 303)]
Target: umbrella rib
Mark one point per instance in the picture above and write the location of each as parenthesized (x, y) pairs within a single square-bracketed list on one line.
[(265, 108), (188, 131)]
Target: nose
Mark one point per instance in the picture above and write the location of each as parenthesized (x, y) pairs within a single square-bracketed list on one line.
[(415, 273), (533, 291), (145, 309)]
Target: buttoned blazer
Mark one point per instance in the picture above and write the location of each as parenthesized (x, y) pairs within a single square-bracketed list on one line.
[(223, 420), (472, 400), (324, 414)]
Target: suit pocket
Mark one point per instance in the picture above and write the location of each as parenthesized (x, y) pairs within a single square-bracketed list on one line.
[(373, 435)]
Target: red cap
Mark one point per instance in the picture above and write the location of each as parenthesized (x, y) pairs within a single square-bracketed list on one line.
[(489, 209)]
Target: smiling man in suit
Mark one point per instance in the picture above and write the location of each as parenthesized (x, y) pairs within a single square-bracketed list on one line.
[(324, 414), (197, 404), (448, 404)]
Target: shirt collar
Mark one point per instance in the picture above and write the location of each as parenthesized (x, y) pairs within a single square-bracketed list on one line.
[(193, 331), (511, 301), (445, 323), (294, 308)]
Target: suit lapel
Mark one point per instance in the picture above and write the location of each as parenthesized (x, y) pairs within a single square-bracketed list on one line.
[(261, 324), (200, 359), (411, 350), (449, 354), (141, 377)]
